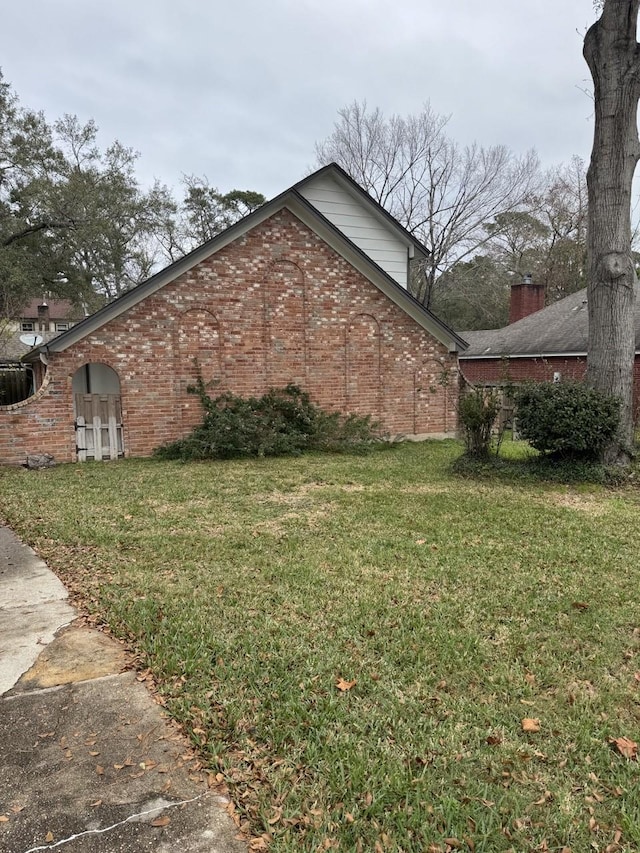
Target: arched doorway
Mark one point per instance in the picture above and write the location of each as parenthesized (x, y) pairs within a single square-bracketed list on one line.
[(98, 413)]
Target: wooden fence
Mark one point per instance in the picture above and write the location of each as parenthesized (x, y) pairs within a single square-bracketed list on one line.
[(16, 383)]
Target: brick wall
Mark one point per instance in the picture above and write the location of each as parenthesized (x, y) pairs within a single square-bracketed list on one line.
[(497, 370), (277, 305)]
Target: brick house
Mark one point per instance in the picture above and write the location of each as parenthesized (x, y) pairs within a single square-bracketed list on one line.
[(311, 288), (540, 344)]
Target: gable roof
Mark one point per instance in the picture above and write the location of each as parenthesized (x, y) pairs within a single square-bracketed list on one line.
[(561, 328), (344, 180), (293, 200)]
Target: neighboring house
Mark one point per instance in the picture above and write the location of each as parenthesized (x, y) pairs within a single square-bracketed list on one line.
[(311, 289), (39, 321), (44, 318), (541, 344)]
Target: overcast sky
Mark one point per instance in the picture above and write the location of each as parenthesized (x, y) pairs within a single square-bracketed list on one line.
[(240, 90)]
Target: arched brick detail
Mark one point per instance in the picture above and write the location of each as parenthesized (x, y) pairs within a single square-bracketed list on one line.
[(285, 324), (364, 367), (431, 397), (197, 351)]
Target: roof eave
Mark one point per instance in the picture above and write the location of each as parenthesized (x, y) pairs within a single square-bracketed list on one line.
[(506, 355)]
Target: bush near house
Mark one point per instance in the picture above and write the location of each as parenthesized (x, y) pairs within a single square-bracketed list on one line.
[(566, 419), (282, 422), (477, 411)]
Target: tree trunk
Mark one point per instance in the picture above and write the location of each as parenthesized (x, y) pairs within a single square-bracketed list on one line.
[(612, 54)]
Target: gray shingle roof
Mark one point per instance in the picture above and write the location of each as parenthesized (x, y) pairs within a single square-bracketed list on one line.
[(559, 329)]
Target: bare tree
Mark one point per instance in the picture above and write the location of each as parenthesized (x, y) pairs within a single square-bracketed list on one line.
[(441, 192), (612, 53)]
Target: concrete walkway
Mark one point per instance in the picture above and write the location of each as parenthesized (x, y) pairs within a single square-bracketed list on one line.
[(88, 761)]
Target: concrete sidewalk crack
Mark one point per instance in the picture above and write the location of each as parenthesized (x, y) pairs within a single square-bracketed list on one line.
[(115, 825)]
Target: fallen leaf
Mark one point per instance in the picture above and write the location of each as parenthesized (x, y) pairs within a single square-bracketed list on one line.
[(49, 837), (343, 685), (420, 541), (99, 770), (3, 818), (96, 803), (580, 605), (455, 843), (16, 809), (494, 740), (626, 747), (545, 798), (530, 725), (163, 820)]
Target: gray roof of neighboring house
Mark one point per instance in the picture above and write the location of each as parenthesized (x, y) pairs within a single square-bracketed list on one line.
[(559, 329)]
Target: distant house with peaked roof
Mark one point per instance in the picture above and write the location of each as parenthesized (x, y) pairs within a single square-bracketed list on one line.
[(39, 318), (310, 288), (38, 321)]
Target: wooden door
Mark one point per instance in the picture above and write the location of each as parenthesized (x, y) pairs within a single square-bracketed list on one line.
[(98, 427)]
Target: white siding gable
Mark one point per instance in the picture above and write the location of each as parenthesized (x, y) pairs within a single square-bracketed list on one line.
[(352, 216)]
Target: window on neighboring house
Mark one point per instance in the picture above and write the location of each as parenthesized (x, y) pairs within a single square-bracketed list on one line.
[(62, 327), (27, 326)]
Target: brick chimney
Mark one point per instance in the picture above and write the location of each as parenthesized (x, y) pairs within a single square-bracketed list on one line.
[(526, 298), (43, 317)]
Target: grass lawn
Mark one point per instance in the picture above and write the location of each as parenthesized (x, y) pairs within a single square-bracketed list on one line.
[(354, 642)]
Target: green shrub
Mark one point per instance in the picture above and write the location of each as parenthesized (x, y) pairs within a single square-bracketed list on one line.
[(477, 413), (282, 422), (566, 419)]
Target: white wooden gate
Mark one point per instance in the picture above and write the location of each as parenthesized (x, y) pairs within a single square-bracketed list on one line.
[(98, 427)]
